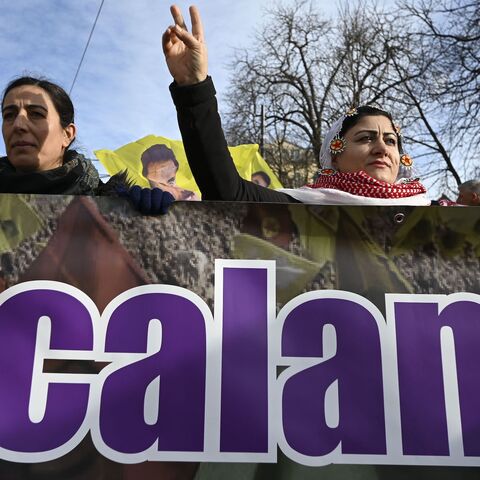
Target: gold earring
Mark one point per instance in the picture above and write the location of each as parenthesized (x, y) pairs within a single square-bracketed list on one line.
[(337, 145), (406, 161)]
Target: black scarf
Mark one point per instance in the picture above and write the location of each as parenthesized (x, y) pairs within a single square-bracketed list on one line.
[(77, 176)]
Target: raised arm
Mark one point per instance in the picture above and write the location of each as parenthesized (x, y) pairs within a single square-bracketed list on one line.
[(198, 119)]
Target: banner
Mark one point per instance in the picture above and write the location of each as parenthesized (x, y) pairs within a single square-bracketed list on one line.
[(236, 340), (161, 162)]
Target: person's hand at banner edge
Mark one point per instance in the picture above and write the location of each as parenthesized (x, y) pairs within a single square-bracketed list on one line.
[(150, 201), (185, 53)]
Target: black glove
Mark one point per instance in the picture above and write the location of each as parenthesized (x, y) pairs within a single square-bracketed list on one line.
[(150, 201)]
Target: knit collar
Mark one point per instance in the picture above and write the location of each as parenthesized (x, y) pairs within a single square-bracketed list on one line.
[(77, 176)]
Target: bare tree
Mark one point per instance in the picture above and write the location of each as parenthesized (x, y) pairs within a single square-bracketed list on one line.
[(415, 61), (443, 102), (282, 75), (305, 69)]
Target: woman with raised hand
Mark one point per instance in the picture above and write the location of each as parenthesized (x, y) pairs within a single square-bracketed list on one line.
[(38, 129), (362, 158)]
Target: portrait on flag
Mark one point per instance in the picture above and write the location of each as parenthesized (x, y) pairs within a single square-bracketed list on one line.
[(155, 161)]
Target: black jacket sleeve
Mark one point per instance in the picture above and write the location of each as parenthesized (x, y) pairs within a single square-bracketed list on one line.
[(206, 148)]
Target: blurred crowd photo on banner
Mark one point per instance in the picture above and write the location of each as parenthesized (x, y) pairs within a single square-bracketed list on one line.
[(160, 162)]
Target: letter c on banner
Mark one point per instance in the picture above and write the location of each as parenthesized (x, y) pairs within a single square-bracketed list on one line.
[(58, 429)]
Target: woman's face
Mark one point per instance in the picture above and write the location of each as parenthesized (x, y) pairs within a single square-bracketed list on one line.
[(372, 146), (34, 138)]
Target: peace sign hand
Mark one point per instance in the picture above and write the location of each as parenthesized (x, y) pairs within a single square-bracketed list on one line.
[(185, 53)]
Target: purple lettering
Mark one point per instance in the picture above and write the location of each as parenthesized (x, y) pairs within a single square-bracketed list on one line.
[(354, 368), (66, 404), (180, 363), (244, 412), (422, 397)]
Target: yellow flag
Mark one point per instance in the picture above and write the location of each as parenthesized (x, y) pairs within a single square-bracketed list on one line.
[(18, 221), (159, 161)]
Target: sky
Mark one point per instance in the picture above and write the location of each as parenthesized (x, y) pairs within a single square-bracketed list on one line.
[(121, 93)]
